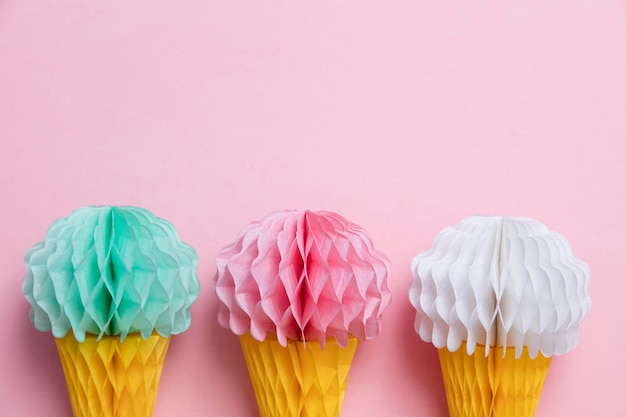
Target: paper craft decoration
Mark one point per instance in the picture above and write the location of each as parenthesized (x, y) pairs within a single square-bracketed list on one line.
[(301, 288), (112, 284), (498, 296)]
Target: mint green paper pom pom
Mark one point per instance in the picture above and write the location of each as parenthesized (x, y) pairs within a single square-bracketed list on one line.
[(111, 271)]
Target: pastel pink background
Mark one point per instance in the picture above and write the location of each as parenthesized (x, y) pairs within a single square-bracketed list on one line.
[(403, 116)]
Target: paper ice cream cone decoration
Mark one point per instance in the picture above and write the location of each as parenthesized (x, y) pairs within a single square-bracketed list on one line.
[(498, 297), (301, 288), (112, 284)]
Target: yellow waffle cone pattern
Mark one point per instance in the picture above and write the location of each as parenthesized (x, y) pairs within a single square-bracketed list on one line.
[(518, 383), (109, 378), (466, 379), (300, 380), (492, 386)]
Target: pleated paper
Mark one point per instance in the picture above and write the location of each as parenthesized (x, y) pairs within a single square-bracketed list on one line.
[(303, 275), (498, 296), (500, 281), (111, 271)]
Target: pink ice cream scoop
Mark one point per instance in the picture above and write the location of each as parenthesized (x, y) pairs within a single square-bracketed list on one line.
[(303, 275)]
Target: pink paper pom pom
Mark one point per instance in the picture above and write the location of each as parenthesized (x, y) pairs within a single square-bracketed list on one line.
[(303, 275)]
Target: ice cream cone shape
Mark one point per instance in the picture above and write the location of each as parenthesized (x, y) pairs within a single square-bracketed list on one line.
[(496, 385), (300, 288), (299, 380), (498, 296), (113, 378), (112, 284)]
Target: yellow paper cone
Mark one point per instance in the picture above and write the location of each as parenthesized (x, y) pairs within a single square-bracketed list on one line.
[(518, 382), (492, 386), (466, 380), (109, 378), (300, 380)]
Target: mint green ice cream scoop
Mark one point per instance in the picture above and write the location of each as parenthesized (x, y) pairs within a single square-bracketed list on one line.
[(109, 270)]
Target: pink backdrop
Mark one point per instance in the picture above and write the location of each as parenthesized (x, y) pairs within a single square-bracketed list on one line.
[(404, 118)]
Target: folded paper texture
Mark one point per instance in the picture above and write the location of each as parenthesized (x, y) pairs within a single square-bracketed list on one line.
[(300, 379), (498, 296), (111, 271), (454, 286), (300, 288), (467, 379), (494, 384), (498, 281), (543, 296), (112, 284), (111, 378), (518, 382), (303, 275)]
